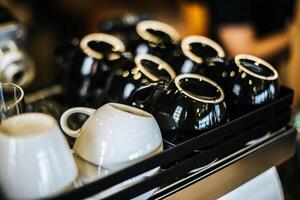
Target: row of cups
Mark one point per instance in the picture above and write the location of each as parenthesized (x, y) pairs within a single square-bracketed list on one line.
[(154, 53), (37, 162), (101, 68), (188, 85)]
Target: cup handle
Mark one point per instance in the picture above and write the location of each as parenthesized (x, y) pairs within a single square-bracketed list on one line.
[(65, 116), (147, 91), (216, 61)]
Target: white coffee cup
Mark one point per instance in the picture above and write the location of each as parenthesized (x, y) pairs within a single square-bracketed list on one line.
[(35, 158), (115, 135)]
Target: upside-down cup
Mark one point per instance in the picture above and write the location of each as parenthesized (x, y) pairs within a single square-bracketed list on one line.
[(200, 55), (36, 161), (115, 135), (252, 82), (189, 105), (90, 67), (132, 74)]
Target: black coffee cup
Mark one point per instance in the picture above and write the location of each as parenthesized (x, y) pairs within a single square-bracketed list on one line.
[(63, 55), (153, 37), (251, 82), (123, 26), (91, 67), (199, 54), (188, 105), (132, 74)]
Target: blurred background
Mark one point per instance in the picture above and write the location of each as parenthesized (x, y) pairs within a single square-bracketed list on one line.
[(269, 29)]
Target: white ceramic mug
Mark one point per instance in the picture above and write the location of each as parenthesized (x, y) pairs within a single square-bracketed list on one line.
[(115, 135), (35, 158)]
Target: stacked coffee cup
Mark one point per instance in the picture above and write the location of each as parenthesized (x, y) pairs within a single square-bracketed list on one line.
[(188, 84)]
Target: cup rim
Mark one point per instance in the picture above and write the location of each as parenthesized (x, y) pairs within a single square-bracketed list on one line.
[(117, 44), (19, 88), (185, 46), (141, 29), (257, 60), (123, 109), (30, 136), (201, 78), (161, 64)]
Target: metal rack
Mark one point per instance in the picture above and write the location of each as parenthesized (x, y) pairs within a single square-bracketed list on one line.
[(235, 169), (234, 162)]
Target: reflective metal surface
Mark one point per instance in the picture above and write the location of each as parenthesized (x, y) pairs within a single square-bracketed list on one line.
[(227, 174)]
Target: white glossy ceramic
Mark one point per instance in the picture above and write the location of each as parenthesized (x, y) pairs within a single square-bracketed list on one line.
[(115, 135), (35, 158)]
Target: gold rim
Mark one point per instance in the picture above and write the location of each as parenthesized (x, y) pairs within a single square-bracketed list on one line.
[(130, 110), (257, 61), (200, 78), (186, 48), (114, 41), (161, 65), (143, 26)]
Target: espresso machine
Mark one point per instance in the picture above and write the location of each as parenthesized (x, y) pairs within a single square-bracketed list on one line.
[(15, 65)]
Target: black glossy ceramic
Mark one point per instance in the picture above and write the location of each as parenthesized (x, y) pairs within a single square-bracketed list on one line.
[(123, 26), (252, 82), (91, 67), (153, 37), (201, 55), (63, 55), (131, 74), (189, 105), (123, 23)]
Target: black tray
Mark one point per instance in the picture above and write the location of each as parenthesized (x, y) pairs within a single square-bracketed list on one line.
[(235, 169), (182, 158), (242, 122)]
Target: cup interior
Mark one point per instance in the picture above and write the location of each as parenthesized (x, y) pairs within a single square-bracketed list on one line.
[(130, 110), (199, 89), (163, 36), (257, 68), (203, 50), (27, 125), (100, 46), (156, 70)]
